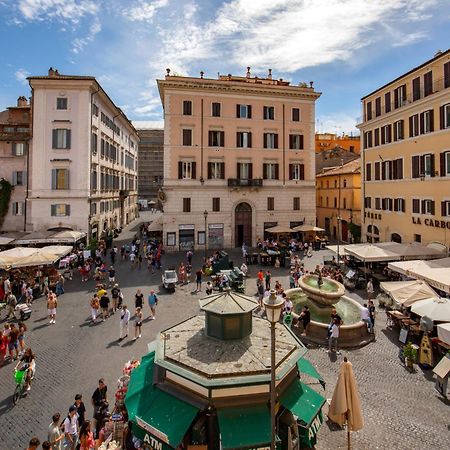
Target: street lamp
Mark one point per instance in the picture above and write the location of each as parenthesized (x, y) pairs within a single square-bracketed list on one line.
[(205, 215), (273, 306)]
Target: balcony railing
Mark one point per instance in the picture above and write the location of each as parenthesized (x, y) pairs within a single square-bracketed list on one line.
[(242, 182)]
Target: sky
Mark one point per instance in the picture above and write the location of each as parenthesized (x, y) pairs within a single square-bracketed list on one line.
[(347, 47)]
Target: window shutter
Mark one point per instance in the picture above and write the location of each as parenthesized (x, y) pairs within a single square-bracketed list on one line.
[(422, 207), (422, 123), (401, 130), (415, 167), (396, 208), (237, 139), (291, 141), (53, 210), (53, 178), (400, 169), (368, 172), (377, 170), (249, 111), (277, 171), (422, 165), (291, 170), (383, 170), (238, 170), (14, 178), (389, 133), (395, 132), (410, 126), (194, 170), (238, 111), (222, 139), (394, 173), (250, 171), (265, 140), (442, 164), (222, 170), (249, 140), (376, 134), (66, 180), (432, 166), (264, 171), (396, 98), (433, 207), (67, 210), (276, 140), (301, 142), (442, 117), (54, 138), (443, 209), (68, 138), (180, 170), (210, 138), (390, 169), (302, 171), (431, 119), (209, 171)]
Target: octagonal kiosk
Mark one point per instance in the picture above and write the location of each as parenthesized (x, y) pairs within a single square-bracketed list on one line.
[(207, 383)]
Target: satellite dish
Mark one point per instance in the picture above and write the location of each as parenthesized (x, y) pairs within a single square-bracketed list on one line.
[(426, 324)]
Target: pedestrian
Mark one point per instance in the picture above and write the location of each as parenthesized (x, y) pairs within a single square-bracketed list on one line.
[(3, 348), (111, 276), (112, 255), (370, 289), (132, 259), (22, 328), (139, 299), (104, 305), (52, 303), (124, 322), (55, 435), (334, 336), (198, 280), (86, 436), (365, 317), (95, 305), (81, 409), (189, 257), (152, 302), (138, 317), (139, 258), (209, 288), (11, 301), (13, 341), (267, 279), (115, 294), (372, 313), (46, 445), (100, 401), (305, 317), (71, 429), (182, 274), (59, 287), (261, 291), (33, 444)]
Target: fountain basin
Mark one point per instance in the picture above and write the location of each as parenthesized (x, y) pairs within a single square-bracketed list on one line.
[(352, 334), (327, 294)]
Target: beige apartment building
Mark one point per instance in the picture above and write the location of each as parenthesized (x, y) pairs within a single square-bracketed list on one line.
[(83, 157), (14, 161), (238, 158), (406, 156)]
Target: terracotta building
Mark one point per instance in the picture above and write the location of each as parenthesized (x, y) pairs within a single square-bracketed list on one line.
[(406, 156), (14, 162), (238, 158), (339, 199), (328, 141)]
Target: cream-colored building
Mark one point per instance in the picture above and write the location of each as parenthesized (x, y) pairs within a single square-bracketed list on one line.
[(238, 158), (14, 161), (339, 199), (83, 158), (406, 156)]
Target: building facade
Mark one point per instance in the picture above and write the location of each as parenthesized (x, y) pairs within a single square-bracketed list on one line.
[(83, 158), (238, 158), (14, 160), (150, 163), (328, 141), (339, 200), (406, 156)]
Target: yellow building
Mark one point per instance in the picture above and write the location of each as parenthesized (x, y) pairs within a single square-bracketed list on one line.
[(329, 141), (338, 198), (406, 156)]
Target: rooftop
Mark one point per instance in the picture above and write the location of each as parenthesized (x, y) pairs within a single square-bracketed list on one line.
[(348, 168)]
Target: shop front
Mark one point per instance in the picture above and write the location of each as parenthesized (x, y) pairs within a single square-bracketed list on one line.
[(186, 237), (215, 236)]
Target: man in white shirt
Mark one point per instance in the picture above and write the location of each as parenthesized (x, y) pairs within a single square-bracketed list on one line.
[(365, 317), (334, 335), (124, 321), (71, 429)]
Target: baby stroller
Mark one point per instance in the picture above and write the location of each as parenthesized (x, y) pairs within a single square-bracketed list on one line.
[(24, 311)]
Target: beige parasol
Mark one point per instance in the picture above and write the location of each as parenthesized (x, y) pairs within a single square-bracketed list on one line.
[(279, 229), (345, 406), (306, 228)]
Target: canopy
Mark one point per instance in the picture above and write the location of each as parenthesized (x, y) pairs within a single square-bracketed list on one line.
[(408, 292), (334, 249), (5, 240), (306, 367), (305, 228), (68, 236), (11, 256), (436, 272), (279, 229), (443, 332), (158, 413), (30, 256), (371, 253), (40, 258), (156, 225), (59, 250), (437, 309), (244, 427)]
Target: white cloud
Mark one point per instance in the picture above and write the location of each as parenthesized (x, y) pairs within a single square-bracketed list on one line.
[(144, 11), (21, 75), (148, 124), (78, 44), (64, 10)]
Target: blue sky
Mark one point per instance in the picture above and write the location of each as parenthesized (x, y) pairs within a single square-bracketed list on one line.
[(347, 47)]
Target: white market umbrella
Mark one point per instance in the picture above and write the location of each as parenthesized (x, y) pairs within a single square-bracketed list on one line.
[(371, 253), (59, 250), (436, 309), (68, 236), (443, 332), (307, 228), (36, 259), (408, 292)]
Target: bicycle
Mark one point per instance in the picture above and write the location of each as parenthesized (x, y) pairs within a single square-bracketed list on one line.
[(21, 385)]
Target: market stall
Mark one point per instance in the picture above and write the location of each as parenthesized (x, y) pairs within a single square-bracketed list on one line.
[(405, 293)]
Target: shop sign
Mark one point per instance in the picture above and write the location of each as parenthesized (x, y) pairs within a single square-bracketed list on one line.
[(154, 431), (431, 222), (186, 227), (308, 435)]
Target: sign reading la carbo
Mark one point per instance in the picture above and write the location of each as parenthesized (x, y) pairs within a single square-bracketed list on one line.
[(431, 222)]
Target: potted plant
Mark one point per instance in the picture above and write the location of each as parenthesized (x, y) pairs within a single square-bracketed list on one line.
[(410, 354)]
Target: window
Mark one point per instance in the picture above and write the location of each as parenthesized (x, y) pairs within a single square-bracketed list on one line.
[(386, 204), (398, 130), (296, 203), (187, 137), (216, 138), (428, 83), (335, 202), (187, 108), (416, 88), (417, 238), (270, 203), (368, 202), (445, 164), (345, 204), (368, 139), (18, 178), (244, 139), (244, 111), (270, 171), (447, 74), (60, 179), (94, 182), (171, 238), (445, 116), (386, 173), (269, 113), (399, 204), (60, 209), (378, 106), (377, 171), (61, 138), (215, 109), (397, 169), (428, 207), (296, 171), (18, 208), (368, 172), (376, 134), (445, 208), (94, 143), (94, 109), (93, 208), (428, 165), (414, 125), (423, 166), (244, 171), (426, 120), (19, 148), (216, 204), (296, 141), (216, 170), (295, 114), (369, 111), (270, 140), (377, 203), (61, 103), (327, 201), (186, 205), (400, 96), (186, 170), (335, 184), (387, 102), (386, 134)]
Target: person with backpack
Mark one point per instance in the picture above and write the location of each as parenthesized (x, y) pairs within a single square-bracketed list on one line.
[(152, 302), (115, 294)]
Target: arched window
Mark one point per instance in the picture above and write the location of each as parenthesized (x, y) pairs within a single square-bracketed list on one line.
[(345, 182), (395, 237), (345, 203)]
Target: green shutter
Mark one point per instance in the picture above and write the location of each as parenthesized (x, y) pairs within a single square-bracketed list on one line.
[(68, 138), (54, 138), (67, 210), (53, 210), (53, 178), (66, 180)]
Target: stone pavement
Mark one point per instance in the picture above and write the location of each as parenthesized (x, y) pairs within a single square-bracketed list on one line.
[(401, 409)]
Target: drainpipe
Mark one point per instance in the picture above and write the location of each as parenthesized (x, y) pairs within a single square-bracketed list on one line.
[(27, 189), (284, 146)]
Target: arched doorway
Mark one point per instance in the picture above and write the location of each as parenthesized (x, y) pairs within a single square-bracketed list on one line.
[(243, 224), (395, 237), (344, 230)]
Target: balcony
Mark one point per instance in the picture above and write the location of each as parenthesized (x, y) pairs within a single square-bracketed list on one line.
[(245, 182)]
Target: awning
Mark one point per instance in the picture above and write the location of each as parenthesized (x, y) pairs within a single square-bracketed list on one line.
[(306, 367), (159, 415), (244, 427)]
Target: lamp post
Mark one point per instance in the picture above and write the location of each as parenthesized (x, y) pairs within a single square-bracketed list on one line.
[(205, 215), (273, 306)]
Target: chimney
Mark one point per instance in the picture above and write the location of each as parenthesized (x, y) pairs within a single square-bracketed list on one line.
[(56, 73), (248, 72), (167, 72), (201, 74), (51, 72), (270, 74), (22, 101)]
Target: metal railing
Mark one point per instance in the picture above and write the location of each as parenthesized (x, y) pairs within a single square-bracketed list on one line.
[(250, 182)]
